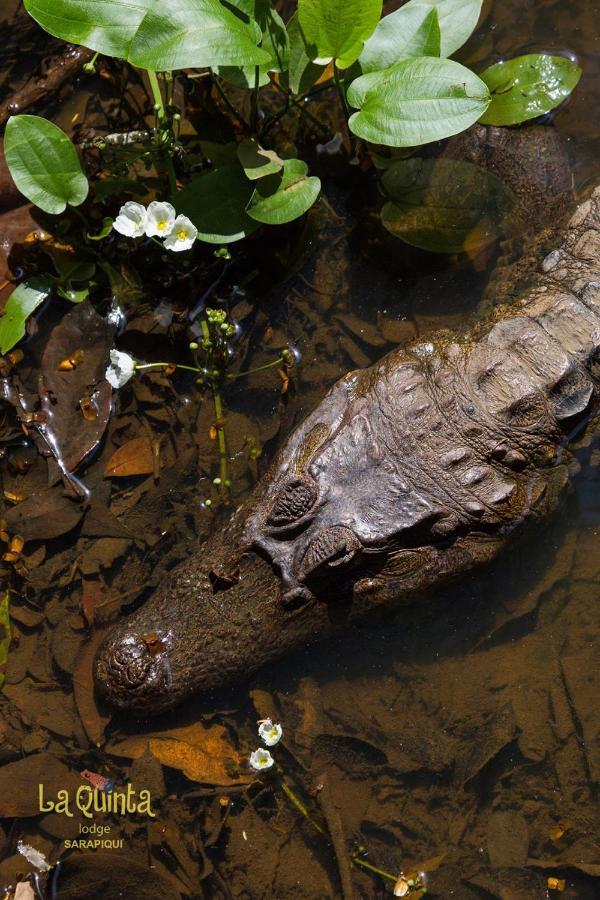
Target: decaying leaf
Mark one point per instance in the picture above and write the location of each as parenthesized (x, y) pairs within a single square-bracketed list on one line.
[(136, 457), (222, 581), (202, 753), (93, 721), (5, 635)]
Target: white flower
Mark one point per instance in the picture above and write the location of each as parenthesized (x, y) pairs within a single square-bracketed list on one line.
[(261, 759), (33, 856), (269, 733), (182, 236), (121, 368), (161, 218), (131, 220)]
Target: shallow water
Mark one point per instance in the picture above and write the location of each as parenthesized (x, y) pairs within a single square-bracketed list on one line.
[(458, 736)]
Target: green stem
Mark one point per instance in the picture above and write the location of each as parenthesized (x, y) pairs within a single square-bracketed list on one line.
[(254, 102), (276, 362), (342, 93), (167, 365), (218, 405), (365, 865), (300, 806), (157, 96)]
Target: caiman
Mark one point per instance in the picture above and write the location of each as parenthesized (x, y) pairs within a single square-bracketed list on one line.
[(409, 473)]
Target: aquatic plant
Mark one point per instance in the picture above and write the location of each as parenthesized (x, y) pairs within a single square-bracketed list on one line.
[(397, 88)]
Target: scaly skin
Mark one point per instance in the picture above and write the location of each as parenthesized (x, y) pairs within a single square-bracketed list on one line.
[(409, 473)]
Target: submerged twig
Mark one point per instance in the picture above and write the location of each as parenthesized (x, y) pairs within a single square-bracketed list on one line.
[(336, 832)]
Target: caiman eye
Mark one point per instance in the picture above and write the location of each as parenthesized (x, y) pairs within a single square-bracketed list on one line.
[(331, 549), (296, 497)]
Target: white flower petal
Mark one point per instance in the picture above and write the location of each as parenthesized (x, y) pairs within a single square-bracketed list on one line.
[(161, 218), (268, 732), (261, 759), (182, 236), (35, 857), (131, 220), (121, 369)]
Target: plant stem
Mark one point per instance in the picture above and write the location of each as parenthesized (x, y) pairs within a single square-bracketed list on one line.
[(299, 105), (167, 365), (365, 865), (219, 419), (230, 105), (276, 362), (157, 96), (300, 806), (254, 107), (342, 93)]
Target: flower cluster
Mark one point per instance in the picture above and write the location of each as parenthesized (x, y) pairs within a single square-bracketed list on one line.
[(159, 220), (270, 734)]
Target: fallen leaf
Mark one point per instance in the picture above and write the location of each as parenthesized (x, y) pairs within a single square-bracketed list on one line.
[(136, 457), (203, 754), (19, 781), (44, 515), (93, 721)]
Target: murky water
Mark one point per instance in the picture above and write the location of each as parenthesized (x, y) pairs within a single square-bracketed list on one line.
[(457, 737)]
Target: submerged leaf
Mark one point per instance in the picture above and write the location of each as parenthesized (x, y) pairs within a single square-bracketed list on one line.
[(337, 29), (286, 196), (5, 634), (44, 163), (444, 205), (528, 86), (415, 102), (216, 204), (202, 754), (24, 300), (133, 458), (413, 30)]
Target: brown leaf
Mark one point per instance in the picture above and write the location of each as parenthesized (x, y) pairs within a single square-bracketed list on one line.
[(136, 457), (19, 791), (203, 754), (74, 433), (93, 721), (44, 515)]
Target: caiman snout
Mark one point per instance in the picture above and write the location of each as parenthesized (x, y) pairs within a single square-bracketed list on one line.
[(133, 672)]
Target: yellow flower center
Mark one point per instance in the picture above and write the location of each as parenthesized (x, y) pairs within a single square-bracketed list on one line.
[(161, 225), (182, 234)]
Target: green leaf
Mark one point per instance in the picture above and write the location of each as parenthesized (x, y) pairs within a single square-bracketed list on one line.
[(257, 162), (337, 29), (5, 634), (107, 227), (274, 40), (107, 26), (44, 163), (302, 73), (282, 198), (216, 204), (458, 19), (416, 101), (184, 34), (528, 86), (445, 205), (413, 30), (24, 300)]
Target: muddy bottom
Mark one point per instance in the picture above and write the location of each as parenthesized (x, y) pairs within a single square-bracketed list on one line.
[(457, 739)]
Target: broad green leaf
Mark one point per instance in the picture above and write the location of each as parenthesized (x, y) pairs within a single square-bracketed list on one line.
[(274, 39), (445, 205), (528, 86), (416, 101), (24, 300), (257, 162), (184, 34), (286, 196), (44, 163), (413, 30), (302, 73), (5, 634), (458, 19), (107, 26), (337, 29), (216, 204)]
